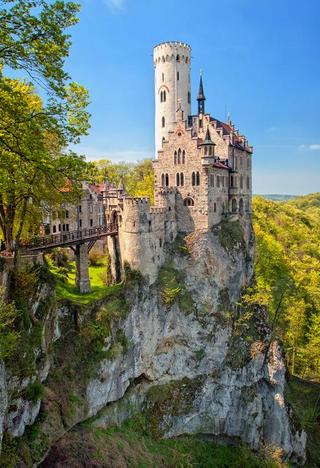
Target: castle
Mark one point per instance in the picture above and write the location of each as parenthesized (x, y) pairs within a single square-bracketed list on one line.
[(202, 173)]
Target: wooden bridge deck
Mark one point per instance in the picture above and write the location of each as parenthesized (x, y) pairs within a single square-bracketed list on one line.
[(67, 239)]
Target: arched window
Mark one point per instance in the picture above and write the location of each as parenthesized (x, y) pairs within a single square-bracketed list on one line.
[(178, 58), (218, 181), (179, 156), (231, 181), (164, 96), (215, 207), (181, 179), (234, 205), (167, 180), (241, 205), (163, 122), (178, 179), (248, 183), (183, 157), (162, 180), (198, 178), (188, 201), (193, 178), (241, 181), (205, 150), (175, 157)]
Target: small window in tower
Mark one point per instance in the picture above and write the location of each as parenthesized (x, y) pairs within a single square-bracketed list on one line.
[(178, 76), (200, 123), (167, 180), (179, 156), (188, 202), (183, 157), (163, 122), (181, 179), (178, 179), (178, 58), (189, 97), (164, 96), (198, 178), (91, 222), (54, 229), (162, 180), (212, 180), (175, 157), (241, 180), (218, 181), (215, 207), (161, 96), (193, 178)]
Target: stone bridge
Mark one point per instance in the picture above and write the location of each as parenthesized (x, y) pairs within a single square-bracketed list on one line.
[(81, 242)]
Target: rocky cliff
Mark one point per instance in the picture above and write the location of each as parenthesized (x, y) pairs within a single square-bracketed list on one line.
[(189, 352)]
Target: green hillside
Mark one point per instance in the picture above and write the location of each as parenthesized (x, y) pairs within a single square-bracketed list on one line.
[(288, 276)]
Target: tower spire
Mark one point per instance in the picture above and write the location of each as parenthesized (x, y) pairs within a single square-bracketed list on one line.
[(201, 97)]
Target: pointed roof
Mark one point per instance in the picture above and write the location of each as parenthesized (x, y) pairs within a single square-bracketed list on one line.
[(207, 139), (201, 96)]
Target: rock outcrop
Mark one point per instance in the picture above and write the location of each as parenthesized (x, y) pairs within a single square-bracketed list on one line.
[(188, 341)]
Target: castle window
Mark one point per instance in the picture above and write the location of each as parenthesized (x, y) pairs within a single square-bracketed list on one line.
[(212, 180), (67, 214), (164, 96), (175, 157), (162, 180), (218, 181), (248, 183), (193, 178), (234, 205), (189, 97), (91, 222), (54, 229), (163, 122), (59, 227), (188, 201), (149, 226), (241, 205), (205, 150), (79, 208), (178, 179), (222, 179), (241, 182), (167, 180), (178, 58), (179, 156), (183, 157), (231, 181), (215, 207), (198, 178), (178, 76), (181, 179), (80, 223)]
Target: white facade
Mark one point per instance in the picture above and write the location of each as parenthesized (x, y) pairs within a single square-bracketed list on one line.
[(172, 86)]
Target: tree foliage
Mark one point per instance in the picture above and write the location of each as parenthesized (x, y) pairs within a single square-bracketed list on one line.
[(35, 169), (138, 179), (288, 270)]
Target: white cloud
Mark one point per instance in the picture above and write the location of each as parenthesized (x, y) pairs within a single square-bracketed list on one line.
[(115, 4), (314, 147)]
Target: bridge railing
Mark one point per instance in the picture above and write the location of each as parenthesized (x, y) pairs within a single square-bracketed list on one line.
[(71, 236)]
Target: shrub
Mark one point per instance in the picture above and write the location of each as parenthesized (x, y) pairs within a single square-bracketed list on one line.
[(96, 258)]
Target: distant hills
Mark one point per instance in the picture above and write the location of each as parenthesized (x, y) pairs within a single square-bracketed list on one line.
[(277, 197)]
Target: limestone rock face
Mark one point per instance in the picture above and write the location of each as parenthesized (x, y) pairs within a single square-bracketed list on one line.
[(209, 360)]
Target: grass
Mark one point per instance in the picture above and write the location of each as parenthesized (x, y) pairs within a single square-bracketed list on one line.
[(66, 284), (127, 445)]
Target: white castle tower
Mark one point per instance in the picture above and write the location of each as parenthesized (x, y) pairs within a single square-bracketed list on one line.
[(172, 85)]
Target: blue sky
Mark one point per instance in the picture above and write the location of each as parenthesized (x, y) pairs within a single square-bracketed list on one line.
[(260, 61)]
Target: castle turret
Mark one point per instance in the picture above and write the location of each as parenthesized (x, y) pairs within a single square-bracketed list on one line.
[(201, 98), (172, 84)]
